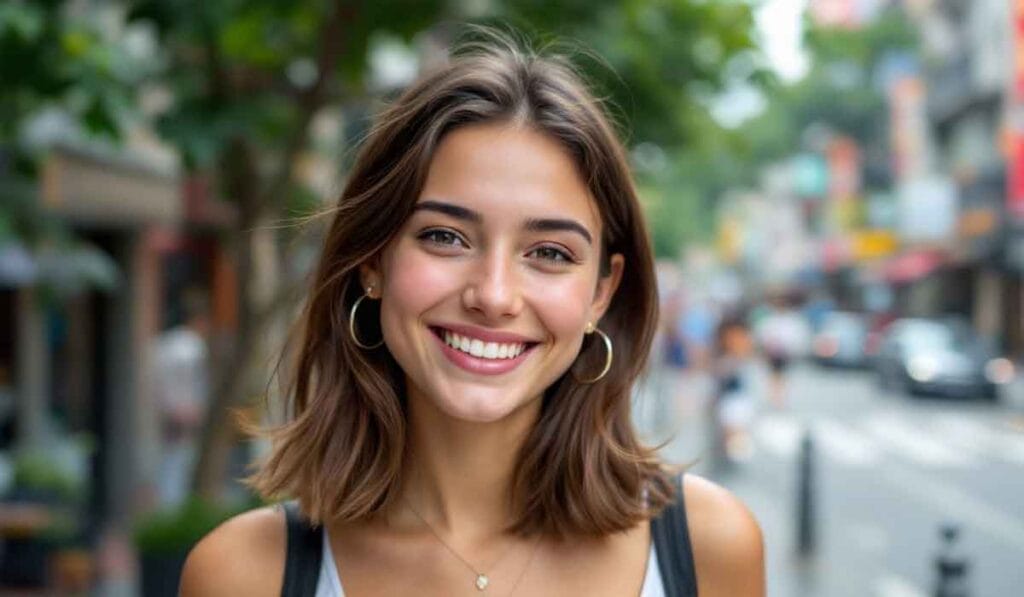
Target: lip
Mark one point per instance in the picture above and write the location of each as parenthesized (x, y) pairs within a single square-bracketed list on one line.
[(479, 365), (485, 334)]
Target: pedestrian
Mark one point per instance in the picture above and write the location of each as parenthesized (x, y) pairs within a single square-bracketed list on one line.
[(181, 386), (734, 404), (783, 335), (460, 417)]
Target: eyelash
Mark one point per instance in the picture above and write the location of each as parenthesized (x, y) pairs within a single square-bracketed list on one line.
[(432, 234), (563, 257)]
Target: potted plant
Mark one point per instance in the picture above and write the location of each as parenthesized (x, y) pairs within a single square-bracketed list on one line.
[(164, 538), (41, 507)]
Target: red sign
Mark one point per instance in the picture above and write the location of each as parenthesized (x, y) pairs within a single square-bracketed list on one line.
[(1015, 121)]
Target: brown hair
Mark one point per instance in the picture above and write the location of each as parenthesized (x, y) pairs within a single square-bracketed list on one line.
[(582, 470)]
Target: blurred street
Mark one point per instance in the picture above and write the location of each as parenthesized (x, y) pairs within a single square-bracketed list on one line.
[(831, 182), (890, 470)]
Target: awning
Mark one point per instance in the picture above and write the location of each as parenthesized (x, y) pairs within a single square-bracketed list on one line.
[(912, 265), (17, 266), (66, 270)]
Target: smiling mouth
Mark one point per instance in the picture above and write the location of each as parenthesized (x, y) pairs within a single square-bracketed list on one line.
[(495, 351)]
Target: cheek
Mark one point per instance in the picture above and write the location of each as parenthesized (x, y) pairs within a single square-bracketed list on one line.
[(413, 283), (563, 304)]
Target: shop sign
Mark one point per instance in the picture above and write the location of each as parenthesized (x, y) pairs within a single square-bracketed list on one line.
[(91, 190), (1015, 120), (873, 244)]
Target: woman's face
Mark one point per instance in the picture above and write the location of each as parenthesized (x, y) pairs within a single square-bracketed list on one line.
[(488, 287)]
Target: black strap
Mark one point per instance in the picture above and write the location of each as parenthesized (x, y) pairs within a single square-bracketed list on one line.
[(305, 550), (671, 537), (669, 531)]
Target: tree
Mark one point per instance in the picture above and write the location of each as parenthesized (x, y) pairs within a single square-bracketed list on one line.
[(842, 91), (53, 59)]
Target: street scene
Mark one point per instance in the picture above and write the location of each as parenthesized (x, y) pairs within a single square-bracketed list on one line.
[(832, 193), (889, 471)]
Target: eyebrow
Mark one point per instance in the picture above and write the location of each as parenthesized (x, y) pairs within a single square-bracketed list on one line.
[(533, 224)]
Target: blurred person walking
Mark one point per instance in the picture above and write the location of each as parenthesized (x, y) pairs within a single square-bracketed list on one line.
[(783, 336), (181, 384), (734, 403), (697, 330), (459, 417)]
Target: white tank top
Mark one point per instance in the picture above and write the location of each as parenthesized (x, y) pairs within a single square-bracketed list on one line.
[(329, 582)]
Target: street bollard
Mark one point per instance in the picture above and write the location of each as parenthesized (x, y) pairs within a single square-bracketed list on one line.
[(951, 565), (805, 497)]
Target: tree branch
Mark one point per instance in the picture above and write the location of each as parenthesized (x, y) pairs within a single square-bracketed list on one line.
[(332, 43)]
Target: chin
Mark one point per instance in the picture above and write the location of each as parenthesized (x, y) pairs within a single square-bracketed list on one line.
[(479, 406)]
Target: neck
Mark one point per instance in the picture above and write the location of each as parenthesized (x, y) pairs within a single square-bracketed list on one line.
[(458, 475)]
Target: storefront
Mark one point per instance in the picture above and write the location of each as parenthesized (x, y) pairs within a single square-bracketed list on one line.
[(83, 326)]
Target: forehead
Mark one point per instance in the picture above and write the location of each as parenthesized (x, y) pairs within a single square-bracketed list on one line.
[(507, 172)]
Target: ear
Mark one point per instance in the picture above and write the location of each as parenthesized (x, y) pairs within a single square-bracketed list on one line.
[(606, 287), (370, 274)]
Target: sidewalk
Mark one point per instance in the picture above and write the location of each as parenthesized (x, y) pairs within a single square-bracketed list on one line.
[(788, 575), (117, 566)]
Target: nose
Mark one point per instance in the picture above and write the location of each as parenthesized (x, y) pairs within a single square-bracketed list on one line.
[(492, 289)]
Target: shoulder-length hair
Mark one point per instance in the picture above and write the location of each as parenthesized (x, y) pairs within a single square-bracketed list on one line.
[(582, 470)]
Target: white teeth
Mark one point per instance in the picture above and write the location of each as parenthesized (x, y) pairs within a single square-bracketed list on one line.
[(476, 348), (481, 349)]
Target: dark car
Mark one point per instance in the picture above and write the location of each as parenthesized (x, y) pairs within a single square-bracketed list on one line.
[(840, 340), (940, 357)]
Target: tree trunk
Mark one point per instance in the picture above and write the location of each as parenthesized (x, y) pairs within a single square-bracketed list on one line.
[(243, 183), (217, 439)]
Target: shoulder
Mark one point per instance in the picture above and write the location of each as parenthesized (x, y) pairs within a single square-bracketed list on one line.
[(242, 556), (728, 549)]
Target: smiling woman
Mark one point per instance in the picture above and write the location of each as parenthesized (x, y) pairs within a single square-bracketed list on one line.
[(460, 417)]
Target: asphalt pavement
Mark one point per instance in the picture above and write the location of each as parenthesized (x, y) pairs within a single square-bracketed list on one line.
[(889, 471)]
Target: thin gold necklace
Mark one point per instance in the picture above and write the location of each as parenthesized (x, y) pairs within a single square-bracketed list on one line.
[(482, 580)]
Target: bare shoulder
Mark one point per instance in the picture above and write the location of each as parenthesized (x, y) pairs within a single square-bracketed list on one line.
[(242, 556), (728, 549)]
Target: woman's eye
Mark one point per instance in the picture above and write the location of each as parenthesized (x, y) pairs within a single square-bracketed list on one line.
[(441, 237), (552, 254)]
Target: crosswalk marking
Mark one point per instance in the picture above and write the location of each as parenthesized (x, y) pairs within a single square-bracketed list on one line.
[(973, 435), (891, 585), (926, 440), (916, 444), (778, 434), (781, 436), (846, 445)]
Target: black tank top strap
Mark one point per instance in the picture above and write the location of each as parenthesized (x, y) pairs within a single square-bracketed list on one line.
[(303, 556), (671, 536)]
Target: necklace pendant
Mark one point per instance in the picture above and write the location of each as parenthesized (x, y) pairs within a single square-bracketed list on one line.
[(481, 581)]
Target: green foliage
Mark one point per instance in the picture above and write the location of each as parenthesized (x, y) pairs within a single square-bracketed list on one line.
[(865, 47), (841, 92), (177, 530), (660, 61), (679, 199), (40, 474), (21, 215), (53, 55), (240, 69)]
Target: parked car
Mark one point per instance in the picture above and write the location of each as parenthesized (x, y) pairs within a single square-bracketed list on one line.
[(940, 357), (841, 340)]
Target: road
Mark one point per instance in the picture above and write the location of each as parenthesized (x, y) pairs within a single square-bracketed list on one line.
[(889, 471)]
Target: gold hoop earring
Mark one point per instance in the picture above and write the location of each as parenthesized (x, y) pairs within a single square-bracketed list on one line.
[(608, 355), (352, 323)]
